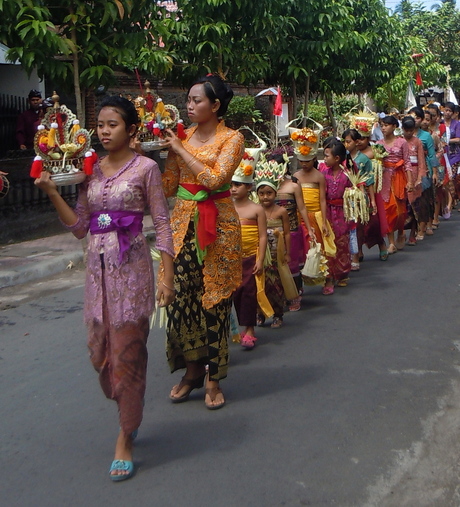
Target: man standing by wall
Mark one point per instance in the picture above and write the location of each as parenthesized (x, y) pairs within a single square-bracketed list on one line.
[(28, 121)]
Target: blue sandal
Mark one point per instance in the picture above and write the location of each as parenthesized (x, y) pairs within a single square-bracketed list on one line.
[(122, 466)]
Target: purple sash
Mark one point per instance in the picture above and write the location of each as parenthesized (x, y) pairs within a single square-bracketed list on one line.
[(128, 225)]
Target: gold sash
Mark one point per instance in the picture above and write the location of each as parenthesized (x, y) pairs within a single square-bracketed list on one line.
[(250, 242), (311, 197)]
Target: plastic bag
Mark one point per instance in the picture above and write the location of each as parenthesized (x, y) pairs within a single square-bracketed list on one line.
[(312, 267)]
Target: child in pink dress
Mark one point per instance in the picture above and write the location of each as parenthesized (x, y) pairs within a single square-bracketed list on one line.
[(417, 160), (336, 183)]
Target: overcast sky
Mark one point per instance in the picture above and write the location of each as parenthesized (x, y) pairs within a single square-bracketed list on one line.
[(428, 3)]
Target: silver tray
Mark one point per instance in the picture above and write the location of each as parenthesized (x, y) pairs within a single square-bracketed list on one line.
[(62, 179), (152, 145)]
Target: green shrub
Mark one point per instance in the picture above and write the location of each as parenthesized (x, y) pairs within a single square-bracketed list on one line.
[(242, 111)]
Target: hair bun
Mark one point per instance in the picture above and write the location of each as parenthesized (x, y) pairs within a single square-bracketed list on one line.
[(216, 89)]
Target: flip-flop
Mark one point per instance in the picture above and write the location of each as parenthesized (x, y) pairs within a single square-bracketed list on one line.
[(383, 255), (195, 383), (121, 465), (392, 250), (213, 391)]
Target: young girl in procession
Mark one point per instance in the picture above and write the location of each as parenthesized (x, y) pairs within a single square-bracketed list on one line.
[(432, 163), (312, 182), (207, 242), (289, 196), (336, 183), (397, 181), (369, 234), (268, 177), (417, 159), (440, 195), (251, 293), (453, 143), (119, 280)]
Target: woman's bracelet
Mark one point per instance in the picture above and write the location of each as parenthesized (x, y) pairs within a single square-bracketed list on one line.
[(195, 160), (169, 288)]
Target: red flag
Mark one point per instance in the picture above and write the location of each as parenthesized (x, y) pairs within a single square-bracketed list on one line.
[(278, 108), (418, 79)]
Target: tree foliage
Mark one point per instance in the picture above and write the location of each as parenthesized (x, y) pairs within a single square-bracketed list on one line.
[(328, 47), (230, 37), (436, 35), (79, 43)]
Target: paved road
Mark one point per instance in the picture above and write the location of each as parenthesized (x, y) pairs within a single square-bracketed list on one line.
[(354, 402)]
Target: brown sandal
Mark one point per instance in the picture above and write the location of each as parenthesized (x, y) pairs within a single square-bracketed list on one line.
[(191, 383), (212, 392)]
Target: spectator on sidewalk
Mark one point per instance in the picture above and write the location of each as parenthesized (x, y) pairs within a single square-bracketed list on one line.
[(28, 121)]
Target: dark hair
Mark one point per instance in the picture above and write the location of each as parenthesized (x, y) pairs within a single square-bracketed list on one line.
[(337, 149), (449, 105), (353, 133), (408, 123), (435, 108), (124, 107), (34, 93), (390, 120), (239, 183), (418, 111), (216, 89), (328, 141), (277, 157)]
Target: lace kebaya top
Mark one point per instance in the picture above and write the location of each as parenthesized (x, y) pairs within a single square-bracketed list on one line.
[(222, 264), (127, 288)]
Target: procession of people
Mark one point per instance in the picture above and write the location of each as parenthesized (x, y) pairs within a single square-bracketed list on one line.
[(249, 234)]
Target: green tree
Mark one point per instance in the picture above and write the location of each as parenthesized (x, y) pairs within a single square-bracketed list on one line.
[(436, 7), (393, 93), (78, 44), (439, 33), (229, 37), (339, 47)]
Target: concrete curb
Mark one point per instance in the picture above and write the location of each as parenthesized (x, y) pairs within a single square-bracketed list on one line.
[(34, 260), (30, 272)]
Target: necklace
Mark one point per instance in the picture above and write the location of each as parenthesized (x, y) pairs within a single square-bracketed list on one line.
[(205, 140)]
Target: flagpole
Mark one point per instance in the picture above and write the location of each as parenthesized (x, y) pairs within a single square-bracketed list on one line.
[(276, 131)]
